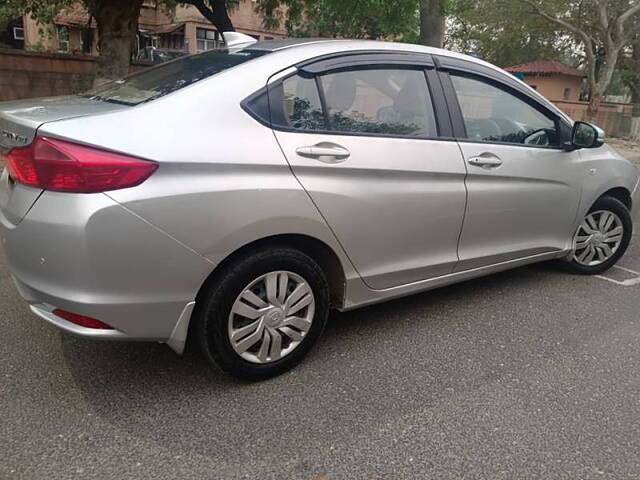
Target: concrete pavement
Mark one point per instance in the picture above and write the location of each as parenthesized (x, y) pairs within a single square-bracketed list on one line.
[(532, 373)]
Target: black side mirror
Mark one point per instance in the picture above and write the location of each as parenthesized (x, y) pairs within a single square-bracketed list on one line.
[(586, 135)]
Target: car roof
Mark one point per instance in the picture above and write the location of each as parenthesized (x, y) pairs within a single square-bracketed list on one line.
[(273, 45), (340, 44)]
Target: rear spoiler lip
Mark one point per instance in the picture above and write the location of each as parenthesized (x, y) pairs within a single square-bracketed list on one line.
[(21, 119)]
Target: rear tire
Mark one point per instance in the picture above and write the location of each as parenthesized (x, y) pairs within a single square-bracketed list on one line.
[(602, 237), (275, 333)]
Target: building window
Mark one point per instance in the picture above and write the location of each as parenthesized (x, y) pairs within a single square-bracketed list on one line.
[(18, 33), (171, 41), (86, 41), (63, 39), (567, 94), (535, 87), (207, 39)]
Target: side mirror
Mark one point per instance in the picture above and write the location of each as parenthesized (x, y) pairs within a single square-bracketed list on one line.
[(586, 135)]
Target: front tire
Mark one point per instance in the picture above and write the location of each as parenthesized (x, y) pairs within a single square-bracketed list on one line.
[(602, 237), (263, 313)]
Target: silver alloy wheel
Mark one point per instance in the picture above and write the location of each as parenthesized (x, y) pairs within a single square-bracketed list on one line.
[(598, 238), (271, 317)]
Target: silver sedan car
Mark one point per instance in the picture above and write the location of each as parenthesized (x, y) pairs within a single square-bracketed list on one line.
[(234, 197)]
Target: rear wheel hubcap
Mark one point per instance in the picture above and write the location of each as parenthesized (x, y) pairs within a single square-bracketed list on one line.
[(598, 238), (271, 317)]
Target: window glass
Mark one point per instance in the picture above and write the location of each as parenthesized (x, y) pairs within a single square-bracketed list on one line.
[(386, 101), (63, 39), (301, 104), (493, 115), (207, 39), (158, 81)]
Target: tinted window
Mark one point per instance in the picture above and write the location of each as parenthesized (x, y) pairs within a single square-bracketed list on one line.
[(494, 115), (301, 104), (169, 77), (386, 101)]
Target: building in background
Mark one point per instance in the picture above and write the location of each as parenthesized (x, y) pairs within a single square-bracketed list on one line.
[(563, 85), (551, 78), (187, 31)]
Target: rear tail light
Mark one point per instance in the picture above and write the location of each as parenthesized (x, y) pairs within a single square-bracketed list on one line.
[(68, 167), (81, 320)]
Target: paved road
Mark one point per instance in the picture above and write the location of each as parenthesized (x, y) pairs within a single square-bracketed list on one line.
[(527, 374)]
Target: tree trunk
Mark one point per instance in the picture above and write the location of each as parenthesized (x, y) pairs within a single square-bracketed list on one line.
[(594, 105), (117, 27), (604, 80), (432, 23), (635, 117), (635, 91), (216, 12)]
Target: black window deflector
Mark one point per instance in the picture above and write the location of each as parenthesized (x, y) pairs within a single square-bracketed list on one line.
[(317, 66)]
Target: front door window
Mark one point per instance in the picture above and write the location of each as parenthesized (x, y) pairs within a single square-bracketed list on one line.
[(492, 114)]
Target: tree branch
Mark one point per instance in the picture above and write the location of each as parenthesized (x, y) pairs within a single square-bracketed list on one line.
[(603, 16), (216, 13), (582, 34), (622, 19)]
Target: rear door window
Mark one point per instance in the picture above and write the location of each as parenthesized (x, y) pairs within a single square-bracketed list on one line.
[(301, 104), (384, 101), (374, 101)]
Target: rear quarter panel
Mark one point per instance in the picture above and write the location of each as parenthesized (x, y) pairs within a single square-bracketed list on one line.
[(223, 181)]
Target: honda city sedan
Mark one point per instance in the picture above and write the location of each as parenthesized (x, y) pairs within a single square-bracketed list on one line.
[(234, 197)]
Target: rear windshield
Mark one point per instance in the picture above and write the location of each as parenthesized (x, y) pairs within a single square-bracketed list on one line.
[(166, 78)]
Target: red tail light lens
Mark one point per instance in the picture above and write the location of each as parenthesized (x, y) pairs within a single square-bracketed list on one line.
[(68, 167), (81, 320)]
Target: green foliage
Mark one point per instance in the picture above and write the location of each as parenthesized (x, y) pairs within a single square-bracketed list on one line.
[(35, 47), (506, 34), (343, 18), (42, 10)]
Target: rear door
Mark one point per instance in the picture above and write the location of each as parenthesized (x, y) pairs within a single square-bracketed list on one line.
[(373, 149), (523, 187)]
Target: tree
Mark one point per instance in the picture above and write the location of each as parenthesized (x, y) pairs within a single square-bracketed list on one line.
[(432, 23), (509, 38), (630, 73), (369, 19), (117, 22), (216, 11), (599, 25)]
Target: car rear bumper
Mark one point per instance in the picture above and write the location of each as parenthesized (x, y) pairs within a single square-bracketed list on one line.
[(88, 255)]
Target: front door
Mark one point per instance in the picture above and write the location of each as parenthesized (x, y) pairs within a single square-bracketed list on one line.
[(364, 144), (523, 188)]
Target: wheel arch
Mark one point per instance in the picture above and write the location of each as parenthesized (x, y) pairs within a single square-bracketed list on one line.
[(318, 250), (619, 193)]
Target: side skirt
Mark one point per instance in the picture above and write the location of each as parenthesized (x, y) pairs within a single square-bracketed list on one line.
[(358, 295)]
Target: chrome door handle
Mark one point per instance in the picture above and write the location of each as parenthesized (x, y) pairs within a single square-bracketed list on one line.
[(325, 152), (486, 161)]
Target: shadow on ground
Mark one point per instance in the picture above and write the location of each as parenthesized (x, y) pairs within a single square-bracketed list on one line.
[(146, 389)]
